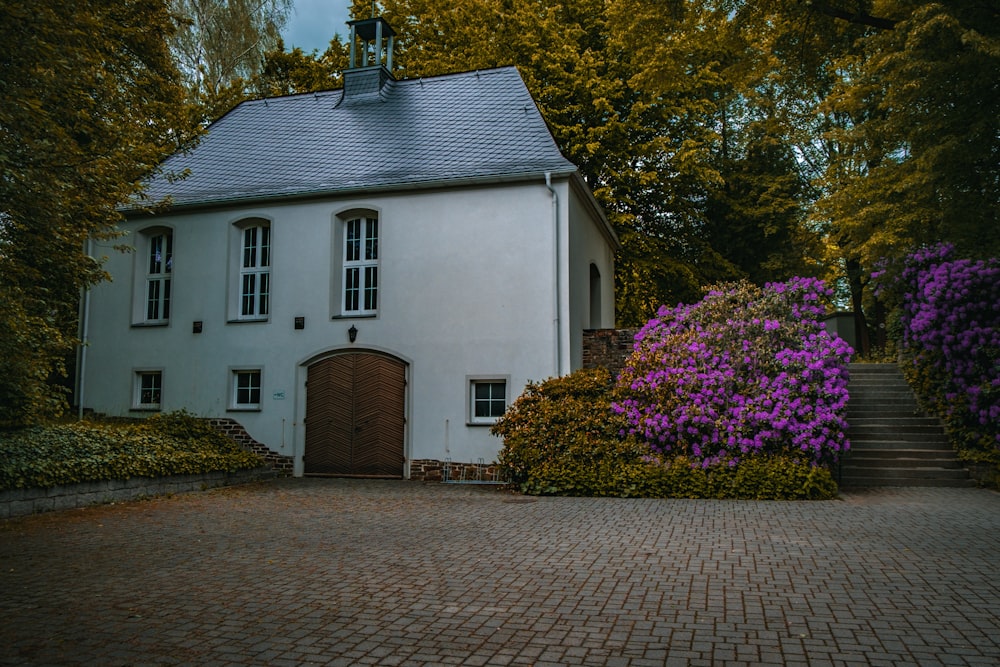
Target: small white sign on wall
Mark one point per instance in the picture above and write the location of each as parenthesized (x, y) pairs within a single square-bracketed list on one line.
[(278, 396)]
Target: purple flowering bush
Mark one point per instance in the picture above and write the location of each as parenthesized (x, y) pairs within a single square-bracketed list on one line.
[(561, 437), (744, 373), (949, 340)]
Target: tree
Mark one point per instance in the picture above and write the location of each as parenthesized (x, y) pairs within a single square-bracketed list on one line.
[(921, 158), (642, 155), (220, 44), (889, 109), (92, 104), (733, 140), (292, 72)]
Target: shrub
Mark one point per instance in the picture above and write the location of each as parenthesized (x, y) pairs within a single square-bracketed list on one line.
[(45, 456), (746, 371), (949, 317), (561, 437), (757, 477)]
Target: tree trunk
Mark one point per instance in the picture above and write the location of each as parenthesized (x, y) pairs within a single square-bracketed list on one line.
[(857, 286)]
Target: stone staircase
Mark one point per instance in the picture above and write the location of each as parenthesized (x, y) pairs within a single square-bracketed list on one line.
[(892, 442)]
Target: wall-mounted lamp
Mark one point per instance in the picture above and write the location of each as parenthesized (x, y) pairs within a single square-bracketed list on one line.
[(196, 326), (300, 323), (352, 333)]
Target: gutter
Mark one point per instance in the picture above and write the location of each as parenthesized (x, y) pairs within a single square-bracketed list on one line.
[(84, 342), (208, 202), (557, 296)]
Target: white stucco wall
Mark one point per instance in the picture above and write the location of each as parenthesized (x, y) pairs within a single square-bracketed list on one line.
[(589, 244), (465, 289)]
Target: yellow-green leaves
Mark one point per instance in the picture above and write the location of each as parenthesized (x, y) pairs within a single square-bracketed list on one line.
[(91, 103), (174, 444)]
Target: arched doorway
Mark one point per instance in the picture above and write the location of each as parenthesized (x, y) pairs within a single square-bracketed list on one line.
[(355, 416)]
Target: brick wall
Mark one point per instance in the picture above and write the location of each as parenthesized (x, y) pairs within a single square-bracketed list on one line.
[(431, 470), (282, 465), (607, 348)]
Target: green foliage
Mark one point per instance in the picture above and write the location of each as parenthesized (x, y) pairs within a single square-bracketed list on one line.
[(92, 104), (920, 160), (755, 478), (32, 346), (170, 444), (292, 72), (562, 438)]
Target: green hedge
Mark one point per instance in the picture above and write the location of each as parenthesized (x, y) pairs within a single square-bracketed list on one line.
[(163, 445), (562, 438)]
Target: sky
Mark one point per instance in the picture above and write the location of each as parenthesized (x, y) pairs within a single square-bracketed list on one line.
[(313, 23)]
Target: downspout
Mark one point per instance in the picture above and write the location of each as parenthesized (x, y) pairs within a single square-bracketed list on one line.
[(556, 300), (84, 334)]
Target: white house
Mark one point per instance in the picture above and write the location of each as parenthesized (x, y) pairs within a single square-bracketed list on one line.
[(363, 278)]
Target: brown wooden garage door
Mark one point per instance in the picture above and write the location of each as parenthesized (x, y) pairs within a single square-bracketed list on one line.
[(355, 416)]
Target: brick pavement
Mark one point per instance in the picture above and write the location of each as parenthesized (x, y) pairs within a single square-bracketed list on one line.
[(349, 572)]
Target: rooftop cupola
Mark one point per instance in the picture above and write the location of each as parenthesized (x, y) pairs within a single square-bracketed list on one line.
[(370, 65)]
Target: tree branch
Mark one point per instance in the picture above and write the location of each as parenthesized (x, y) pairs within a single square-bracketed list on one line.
[(859, 17)]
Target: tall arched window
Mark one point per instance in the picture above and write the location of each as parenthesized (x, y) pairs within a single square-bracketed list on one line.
[(159, 266), (250, 266), (255, 272), (595, 297), (360, 283), (152, 277)]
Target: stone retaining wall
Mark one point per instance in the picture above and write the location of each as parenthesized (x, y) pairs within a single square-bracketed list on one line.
[(21, 502)]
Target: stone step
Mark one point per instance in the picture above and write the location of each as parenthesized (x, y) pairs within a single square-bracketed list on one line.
[(865, 482), (882, 427), (903, 449), (878, 380), (902, 462), (892, 444), (904, 452), (901, 407), (924, 472), (869, 370), (855, 416), (894, 421), (879, 392)]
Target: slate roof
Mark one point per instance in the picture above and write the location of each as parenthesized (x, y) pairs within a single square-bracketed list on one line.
[(470, 127)]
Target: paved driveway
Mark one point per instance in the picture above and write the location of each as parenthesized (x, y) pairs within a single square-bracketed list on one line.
[(338, 572)]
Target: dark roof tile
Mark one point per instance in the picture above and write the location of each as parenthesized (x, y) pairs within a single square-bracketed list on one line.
[(474, 126)]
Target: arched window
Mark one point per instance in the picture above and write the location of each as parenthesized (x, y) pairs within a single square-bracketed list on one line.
[(595, 297), (250, 262), (159, 266), (154, 267)]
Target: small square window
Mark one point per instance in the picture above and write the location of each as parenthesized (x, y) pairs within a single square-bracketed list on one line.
[(148, 390), (246, 389), (488, 400)]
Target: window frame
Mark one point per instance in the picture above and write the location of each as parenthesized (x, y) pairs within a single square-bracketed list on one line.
[(235, 374), (159, 271), (252, 264), (471, 401), (145, 275), (255, 269), (138, 388), (365, 266)]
